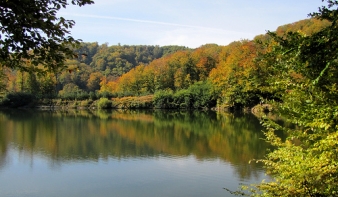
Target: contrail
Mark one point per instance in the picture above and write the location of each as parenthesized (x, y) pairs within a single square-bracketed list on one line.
[(150, 22)]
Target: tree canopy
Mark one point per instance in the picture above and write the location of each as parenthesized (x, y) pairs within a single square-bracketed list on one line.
[(31, 31), (305, 164)]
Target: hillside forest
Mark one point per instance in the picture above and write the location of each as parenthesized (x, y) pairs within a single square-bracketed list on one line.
[(232, 76)]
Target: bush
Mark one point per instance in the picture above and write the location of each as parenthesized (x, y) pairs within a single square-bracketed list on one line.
[(197, 96), (18, 99), (86, 103), (104, 103), (125, 94), (134, 102), (68, 96), (106, 94), (202, 95), (163, 99), (182, 99), (82, 96), (92, 96)]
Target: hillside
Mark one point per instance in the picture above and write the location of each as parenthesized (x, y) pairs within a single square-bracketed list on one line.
[(142, 70)]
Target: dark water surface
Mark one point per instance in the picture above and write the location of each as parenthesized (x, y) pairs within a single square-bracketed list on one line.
[(127, 153)]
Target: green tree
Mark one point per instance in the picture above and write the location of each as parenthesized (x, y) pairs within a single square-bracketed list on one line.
[(47, 87), (21, 80), (305, 164), (31, 30), (70, 91)]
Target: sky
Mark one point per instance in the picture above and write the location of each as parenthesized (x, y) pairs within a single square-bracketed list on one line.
[(190, 23)]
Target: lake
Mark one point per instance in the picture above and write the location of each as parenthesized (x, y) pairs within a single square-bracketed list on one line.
[(127, 153)]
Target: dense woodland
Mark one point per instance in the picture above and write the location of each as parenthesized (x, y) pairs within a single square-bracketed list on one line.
[(178, 77)]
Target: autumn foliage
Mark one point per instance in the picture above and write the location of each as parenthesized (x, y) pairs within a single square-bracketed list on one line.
[(236, 74)]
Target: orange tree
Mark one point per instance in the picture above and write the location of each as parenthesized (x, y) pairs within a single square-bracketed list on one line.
[(234, 76)]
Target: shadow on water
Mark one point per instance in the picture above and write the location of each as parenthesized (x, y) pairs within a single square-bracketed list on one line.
[(69, 136)]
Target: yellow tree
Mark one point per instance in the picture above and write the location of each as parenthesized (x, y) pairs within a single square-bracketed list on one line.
[(233, 76), (94, 81), (205, 58), (108, 86), (163, 75), (132, 82), (149, 79)]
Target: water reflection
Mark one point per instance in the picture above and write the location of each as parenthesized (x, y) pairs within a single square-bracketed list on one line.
[(69, 136)]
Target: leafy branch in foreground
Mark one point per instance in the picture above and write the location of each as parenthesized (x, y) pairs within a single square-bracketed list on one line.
[(31, 31), (305, 164)]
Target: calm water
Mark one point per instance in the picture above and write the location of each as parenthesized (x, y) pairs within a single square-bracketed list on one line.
[(127, 153)]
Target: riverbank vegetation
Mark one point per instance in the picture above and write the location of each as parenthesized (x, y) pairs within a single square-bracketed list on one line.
[(232, 76)]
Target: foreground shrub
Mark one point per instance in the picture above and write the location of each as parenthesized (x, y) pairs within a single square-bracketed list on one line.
[(104, 103)]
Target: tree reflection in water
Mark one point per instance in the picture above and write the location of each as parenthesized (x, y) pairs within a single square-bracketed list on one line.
[(66, 136)]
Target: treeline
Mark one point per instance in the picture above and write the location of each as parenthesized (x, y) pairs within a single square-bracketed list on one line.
[(233, 76), (178, 77), (79, 78)]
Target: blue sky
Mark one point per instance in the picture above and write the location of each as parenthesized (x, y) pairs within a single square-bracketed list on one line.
[(190, 23)]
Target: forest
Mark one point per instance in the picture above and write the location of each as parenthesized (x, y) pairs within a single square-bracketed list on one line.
[(229, 76)]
